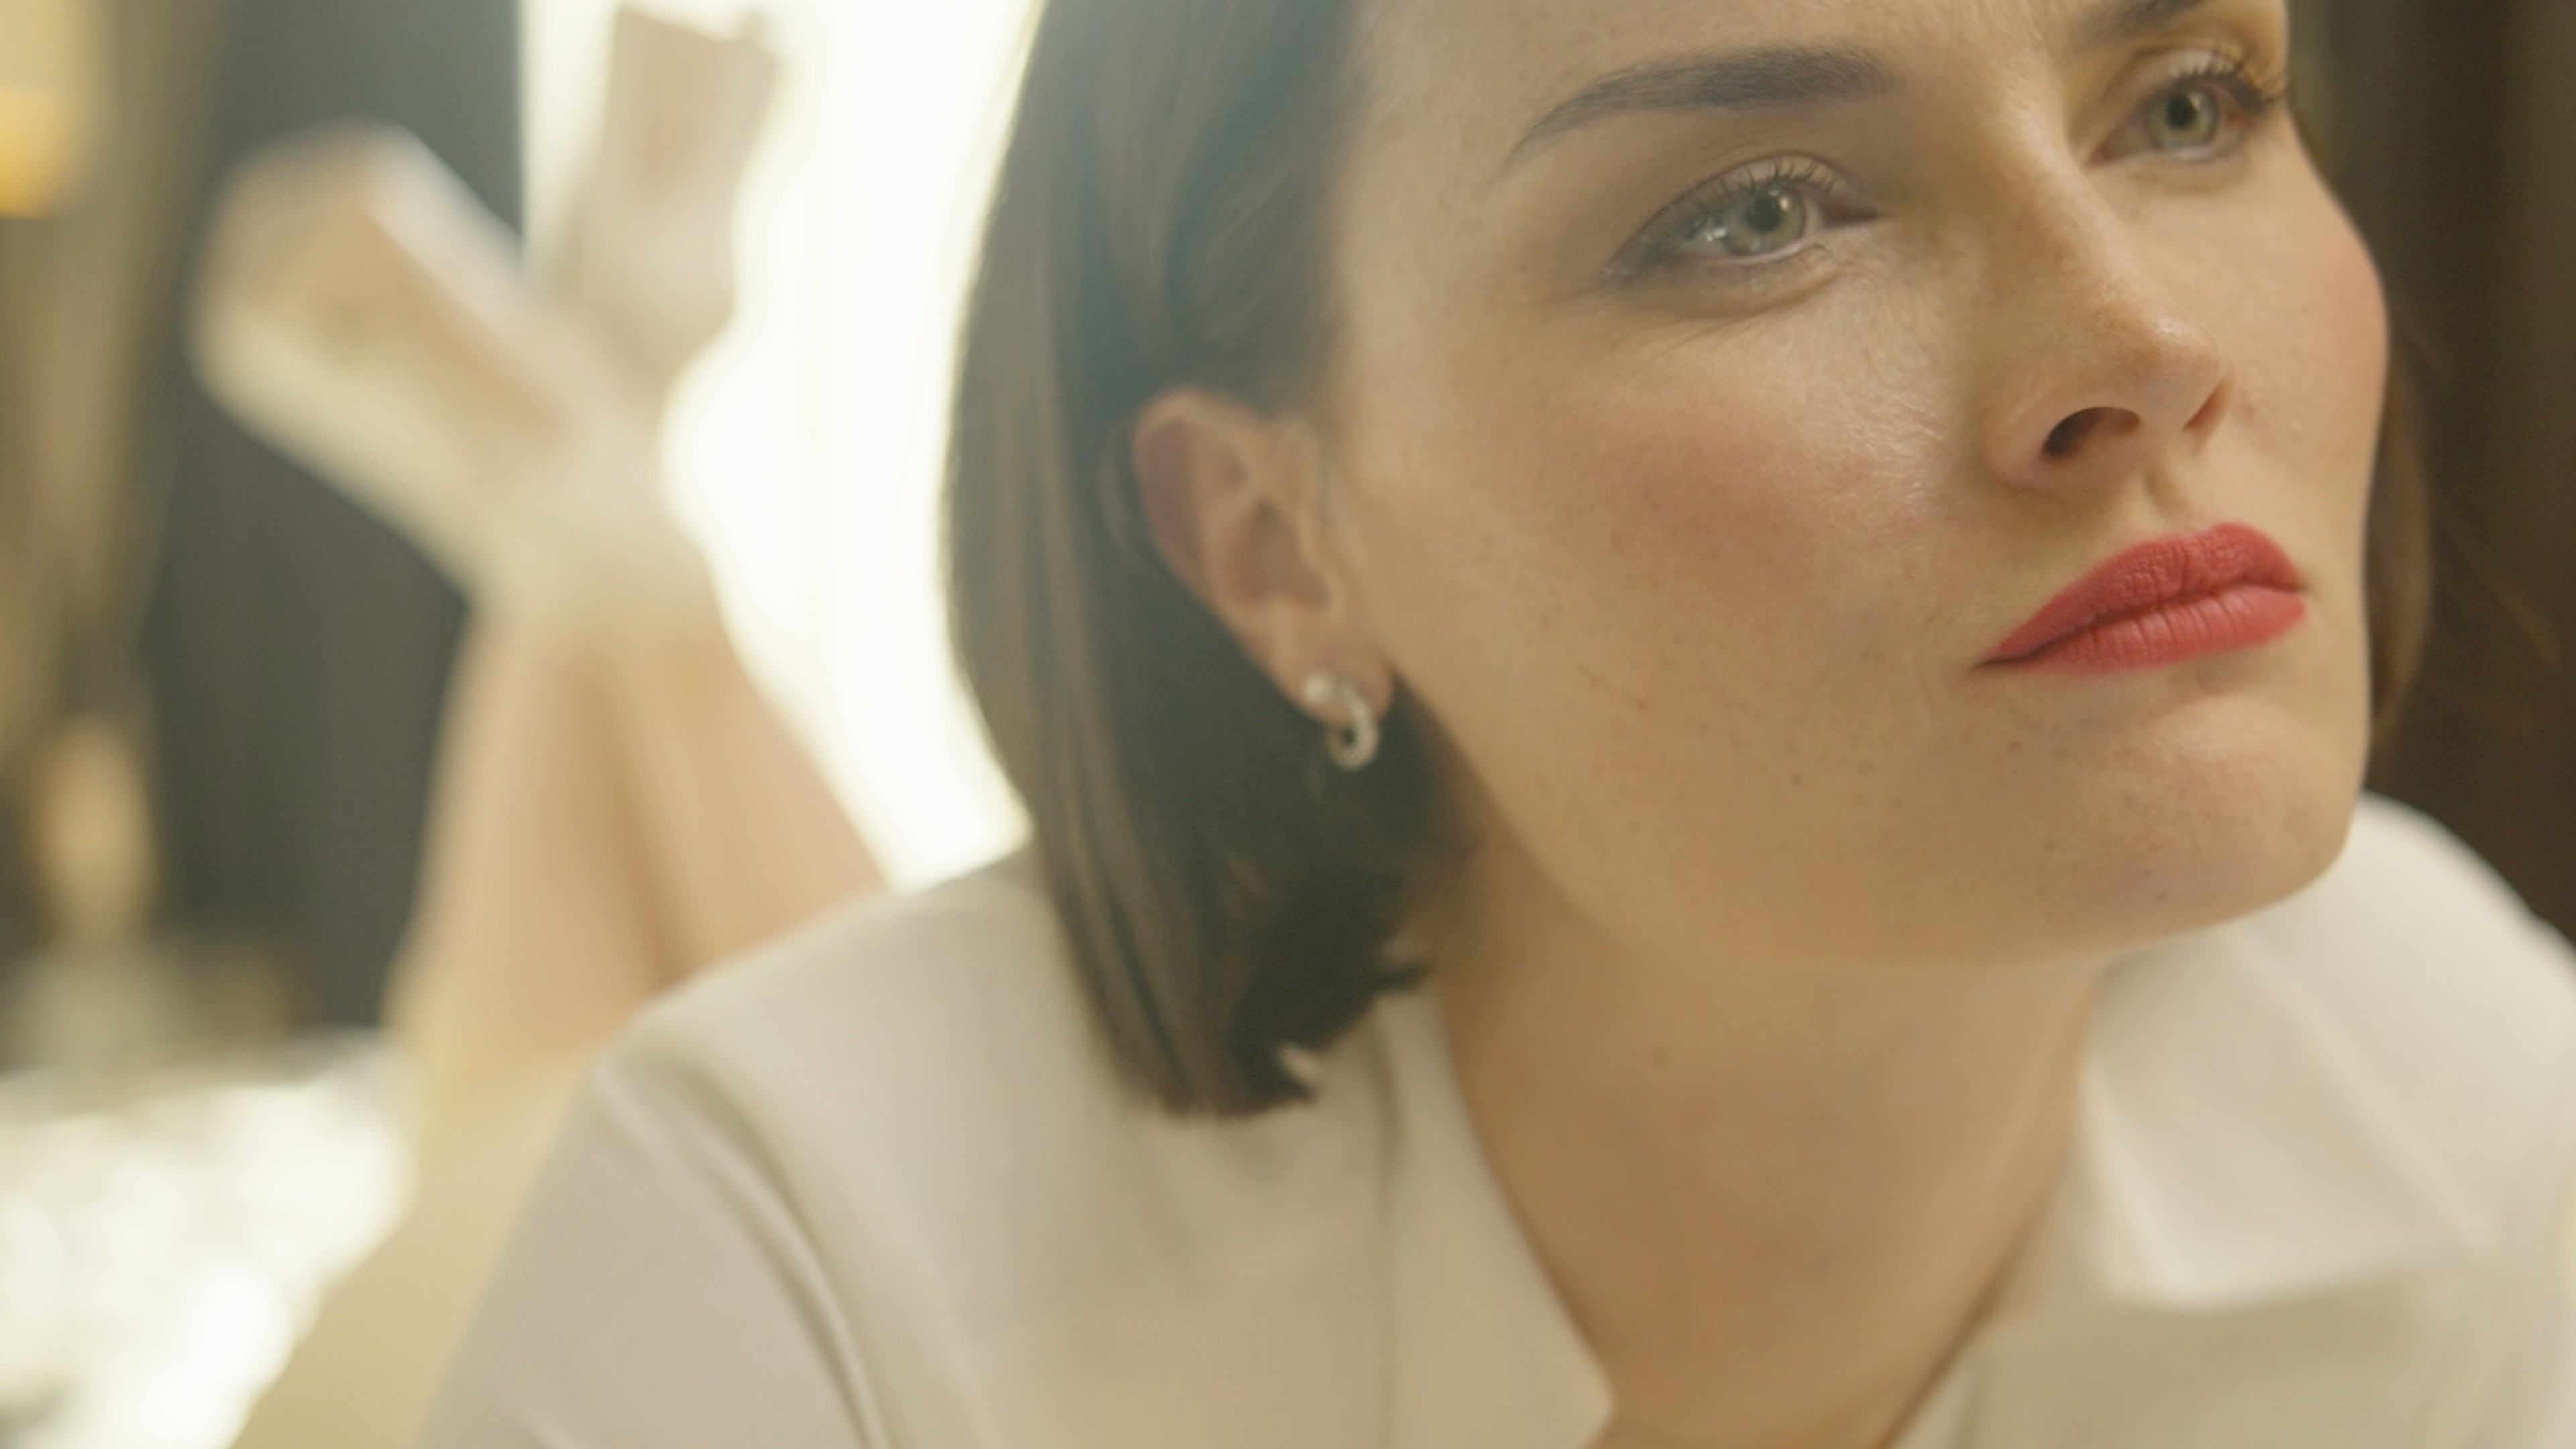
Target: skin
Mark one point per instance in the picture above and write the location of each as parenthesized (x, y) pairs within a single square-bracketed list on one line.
[(1768, 964)]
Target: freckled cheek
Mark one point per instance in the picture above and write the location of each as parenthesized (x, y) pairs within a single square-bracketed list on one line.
[(1688, 512), (2352, 319), (2315, 362)]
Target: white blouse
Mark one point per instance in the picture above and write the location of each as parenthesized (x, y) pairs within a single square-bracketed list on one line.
[(878, 1186)]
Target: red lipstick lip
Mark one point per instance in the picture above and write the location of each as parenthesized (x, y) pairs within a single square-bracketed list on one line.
[(2164, 601)]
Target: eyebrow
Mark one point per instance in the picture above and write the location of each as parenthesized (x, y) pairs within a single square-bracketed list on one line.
[(1795, 75), (1739, 80), (2121, 21)]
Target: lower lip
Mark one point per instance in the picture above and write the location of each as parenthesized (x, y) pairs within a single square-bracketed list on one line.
[(2186, 629)]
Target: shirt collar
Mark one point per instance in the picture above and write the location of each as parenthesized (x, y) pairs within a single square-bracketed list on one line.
[(1485, 1355), (2230, 1151)]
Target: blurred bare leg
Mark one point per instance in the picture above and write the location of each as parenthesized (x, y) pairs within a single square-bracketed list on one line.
[(613, 812), (617, 803), (741, 835), (534, 936), (364, 1376), (532, 942)]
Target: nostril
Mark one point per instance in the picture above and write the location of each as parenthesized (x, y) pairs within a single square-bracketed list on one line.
[(2070, 435)]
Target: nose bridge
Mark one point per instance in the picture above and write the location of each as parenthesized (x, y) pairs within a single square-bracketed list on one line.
[(2089, 345), (2066, 250)]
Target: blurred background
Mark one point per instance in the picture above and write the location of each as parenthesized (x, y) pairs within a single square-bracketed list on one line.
[(201, 640), (298, 650)]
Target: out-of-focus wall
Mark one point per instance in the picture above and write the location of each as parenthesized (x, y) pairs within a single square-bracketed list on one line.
[(90, 248), (2454, 136), (299, 652)]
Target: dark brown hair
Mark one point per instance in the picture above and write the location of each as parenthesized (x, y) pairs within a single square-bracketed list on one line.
[(1161, 220)]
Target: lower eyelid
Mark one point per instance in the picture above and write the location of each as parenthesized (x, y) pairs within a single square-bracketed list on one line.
[(1829, 211), (2245, 128), (1693, 269)]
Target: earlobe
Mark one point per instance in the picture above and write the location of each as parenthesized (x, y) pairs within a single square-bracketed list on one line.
[(1231, 497)]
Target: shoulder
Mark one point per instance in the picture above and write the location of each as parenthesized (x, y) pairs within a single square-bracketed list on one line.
[(937, 1040), (2434, 980), (917, 1085), (891, 1149), (938, 990)]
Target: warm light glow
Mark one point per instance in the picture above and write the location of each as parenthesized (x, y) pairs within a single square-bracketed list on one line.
[(159, 1256), (805, 449), (48, 79)]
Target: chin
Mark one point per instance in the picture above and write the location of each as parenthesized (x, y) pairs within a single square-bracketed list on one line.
[(2224, 808)]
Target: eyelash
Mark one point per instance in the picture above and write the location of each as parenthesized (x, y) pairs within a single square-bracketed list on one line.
[(1661, 244)]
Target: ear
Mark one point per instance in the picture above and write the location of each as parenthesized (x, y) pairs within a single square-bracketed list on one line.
[(1234, 500)]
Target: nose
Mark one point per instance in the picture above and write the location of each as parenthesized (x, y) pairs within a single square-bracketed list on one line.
[(2102, 376)]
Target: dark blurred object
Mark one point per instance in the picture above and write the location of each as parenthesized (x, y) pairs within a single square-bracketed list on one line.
[(299, 652), (2452, 129), (86, 283)]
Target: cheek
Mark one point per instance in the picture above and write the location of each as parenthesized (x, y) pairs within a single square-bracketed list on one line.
[(2313, 356), (2309, 332), (1678, 531), (1713, 550)]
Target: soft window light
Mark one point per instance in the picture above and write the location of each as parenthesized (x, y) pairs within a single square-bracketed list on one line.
[(805, 448)]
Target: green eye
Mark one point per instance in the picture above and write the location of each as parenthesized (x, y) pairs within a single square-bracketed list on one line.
[(1755, 215), (2188, 118), (1759, 223)]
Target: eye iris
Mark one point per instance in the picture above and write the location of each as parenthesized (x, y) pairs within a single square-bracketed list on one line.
[(1764, 222), (2189, 119)]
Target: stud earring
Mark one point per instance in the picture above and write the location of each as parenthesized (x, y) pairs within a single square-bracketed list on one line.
[(1353, 741)]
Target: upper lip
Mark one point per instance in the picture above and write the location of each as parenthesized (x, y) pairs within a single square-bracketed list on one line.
[(2150, 576)]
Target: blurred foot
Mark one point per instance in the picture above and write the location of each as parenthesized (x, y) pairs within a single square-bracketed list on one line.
[(648, 263), (364, 314)]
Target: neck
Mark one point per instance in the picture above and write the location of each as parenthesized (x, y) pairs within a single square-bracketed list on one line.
[(1774, 1200)]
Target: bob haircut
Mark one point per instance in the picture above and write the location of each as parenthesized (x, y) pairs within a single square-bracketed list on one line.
[(1161, 220)]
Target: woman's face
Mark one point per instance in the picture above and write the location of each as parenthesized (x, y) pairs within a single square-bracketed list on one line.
[(1721, 382)]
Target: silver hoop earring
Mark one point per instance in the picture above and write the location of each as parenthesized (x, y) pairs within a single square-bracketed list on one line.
[(1353, 742)]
